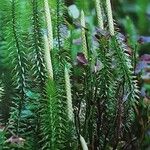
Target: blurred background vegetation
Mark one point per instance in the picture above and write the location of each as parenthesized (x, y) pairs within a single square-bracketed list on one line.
[(132, 16)]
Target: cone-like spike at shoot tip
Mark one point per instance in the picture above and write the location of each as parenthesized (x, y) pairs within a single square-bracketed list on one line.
[(110, 18), (47, 57), (83, 35), (99, 14), (49, 23), (69, 95), (83, 143)]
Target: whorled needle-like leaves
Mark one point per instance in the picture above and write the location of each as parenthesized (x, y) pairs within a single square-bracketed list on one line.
[(59, 100), (17, 58), (37, 45), (55, 125)]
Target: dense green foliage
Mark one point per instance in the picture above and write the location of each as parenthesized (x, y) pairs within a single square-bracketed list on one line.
[(66, 83)]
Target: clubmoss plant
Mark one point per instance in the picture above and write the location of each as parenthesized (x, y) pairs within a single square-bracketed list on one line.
[(67, 93)]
